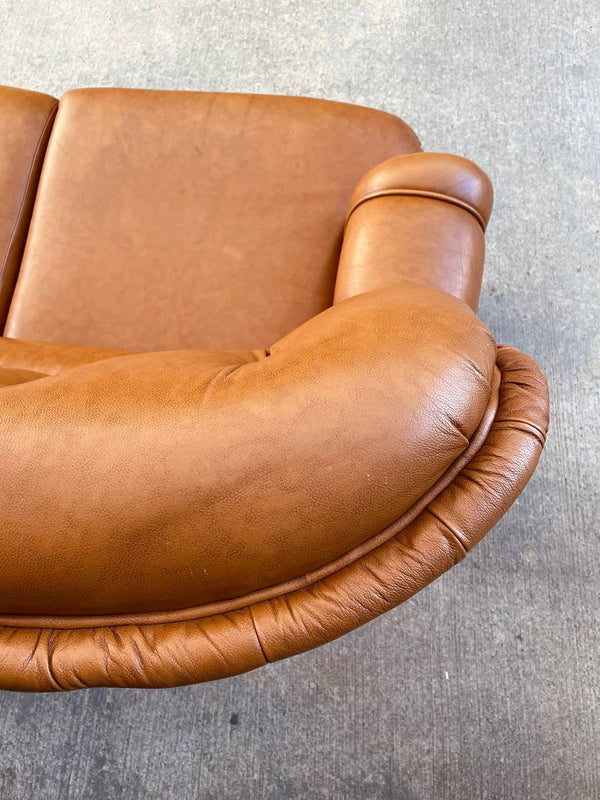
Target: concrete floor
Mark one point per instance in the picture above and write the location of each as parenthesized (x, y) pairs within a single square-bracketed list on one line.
[(486, 684)]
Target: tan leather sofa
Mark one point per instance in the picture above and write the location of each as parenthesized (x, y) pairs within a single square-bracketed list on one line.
[(246, 402)]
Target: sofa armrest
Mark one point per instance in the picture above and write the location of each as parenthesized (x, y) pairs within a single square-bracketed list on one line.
[(160, 481), (420, 217)]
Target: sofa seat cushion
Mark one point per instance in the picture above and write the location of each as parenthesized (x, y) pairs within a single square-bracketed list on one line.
[(163, 481), (12, 377), (22, 361), (49, 358)]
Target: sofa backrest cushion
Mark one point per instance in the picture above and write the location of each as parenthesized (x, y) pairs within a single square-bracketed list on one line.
[(25, 124), (169, 220)]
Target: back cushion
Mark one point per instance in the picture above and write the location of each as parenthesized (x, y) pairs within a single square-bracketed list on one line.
[(186, 219), (25, 123)]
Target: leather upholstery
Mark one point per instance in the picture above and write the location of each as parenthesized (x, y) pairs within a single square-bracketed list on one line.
[(432, 206), (25, 122), (191, 513), (153, 227), (227, 485), (48, 357)]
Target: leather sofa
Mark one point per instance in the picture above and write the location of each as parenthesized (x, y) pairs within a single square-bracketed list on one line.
[(246, 404)]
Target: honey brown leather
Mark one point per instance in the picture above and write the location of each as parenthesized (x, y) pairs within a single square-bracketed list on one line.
[(25, 122), (421, 217), (198, 489), (43, 658), (175, 511), (50, 357), (11, 377), (154, 226)]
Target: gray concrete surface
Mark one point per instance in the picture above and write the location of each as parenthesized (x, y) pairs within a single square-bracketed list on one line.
[(486, 684)]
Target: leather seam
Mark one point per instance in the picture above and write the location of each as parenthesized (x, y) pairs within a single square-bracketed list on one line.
[(535, 430), (445, 198)]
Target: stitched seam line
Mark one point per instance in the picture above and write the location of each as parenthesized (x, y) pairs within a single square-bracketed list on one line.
[(445, 198)]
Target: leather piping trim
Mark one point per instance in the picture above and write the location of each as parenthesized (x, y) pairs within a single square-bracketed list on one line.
[(59, 622), (535, 430), (445, 198), (32, 178)]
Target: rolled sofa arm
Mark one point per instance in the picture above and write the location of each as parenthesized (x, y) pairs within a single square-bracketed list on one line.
[(160, 481), (420, 217), (182, 516)]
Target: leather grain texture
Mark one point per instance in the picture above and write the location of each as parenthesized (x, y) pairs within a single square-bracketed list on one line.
[(190, 477), (154, 226), (50, 358), (25, 122), (190, 651)]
